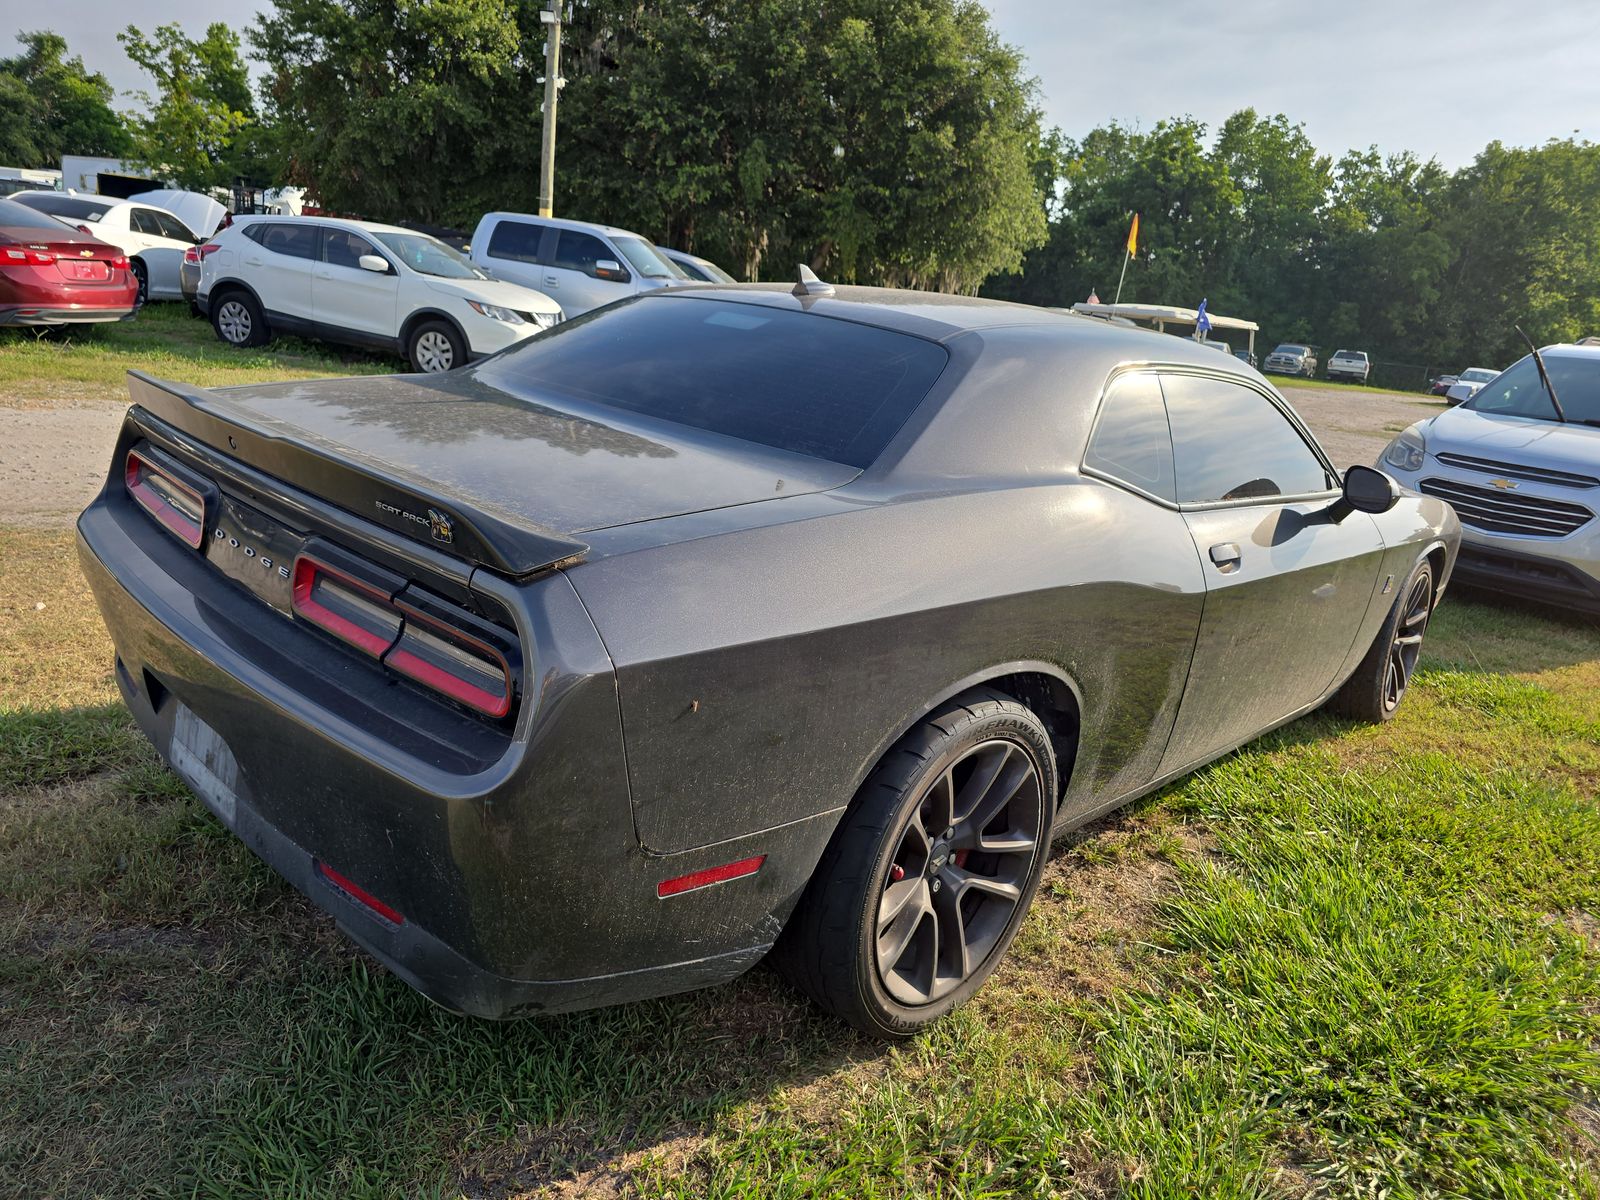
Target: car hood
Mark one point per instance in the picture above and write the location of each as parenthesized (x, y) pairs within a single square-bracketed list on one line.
[(495, 291), (1519, 440), (457, 437)]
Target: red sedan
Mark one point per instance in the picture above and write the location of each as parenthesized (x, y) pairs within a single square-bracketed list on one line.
[(52, 274)]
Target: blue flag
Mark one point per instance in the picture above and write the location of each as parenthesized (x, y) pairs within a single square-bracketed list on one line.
[(1202, 323)]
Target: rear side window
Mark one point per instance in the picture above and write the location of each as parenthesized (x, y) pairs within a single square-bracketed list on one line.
[(296, 241), (1131, 441), (1230, 442), (793, 381), (579, 251), (516, 240)]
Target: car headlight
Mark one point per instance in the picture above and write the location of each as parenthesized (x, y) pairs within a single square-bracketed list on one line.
[(495, 312), (1406, 451)]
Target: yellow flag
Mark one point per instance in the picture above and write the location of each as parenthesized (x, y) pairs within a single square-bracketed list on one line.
[(1133, 236)]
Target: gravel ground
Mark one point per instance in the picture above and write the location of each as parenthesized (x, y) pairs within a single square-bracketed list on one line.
[(53, 459)]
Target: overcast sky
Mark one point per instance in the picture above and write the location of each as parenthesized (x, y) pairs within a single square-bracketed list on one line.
[(1440, 77)]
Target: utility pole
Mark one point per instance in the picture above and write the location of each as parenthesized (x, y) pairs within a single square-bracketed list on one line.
[(551, 18)]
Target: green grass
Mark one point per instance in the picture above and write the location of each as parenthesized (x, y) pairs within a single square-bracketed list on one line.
[(1348, 961), (92, 362), (1300, 381)]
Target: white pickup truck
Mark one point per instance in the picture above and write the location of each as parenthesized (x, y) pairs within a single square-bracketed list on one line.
[(1352, 365)]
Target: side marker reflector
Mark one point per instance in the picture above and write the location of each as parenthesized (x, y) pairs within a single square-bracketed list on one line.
[(360, 894), (711, 875)]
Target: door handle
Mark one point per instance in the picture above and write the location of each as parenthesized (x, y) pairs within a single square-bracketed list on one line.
[(1226, 556), (324, 273), (551, 281), (252, 262)]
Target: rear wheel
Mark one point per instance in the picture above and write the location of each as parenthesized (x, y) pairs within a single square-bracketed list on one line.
[(435, 346), (238, 319), (141, 276), (1380, 683), (929, 875)]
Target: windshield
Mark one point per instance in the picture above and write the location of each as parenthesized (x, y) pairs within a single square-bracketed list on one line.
[(1518, 392), (642, 257), (1288, 349), (429, 256), (1481, 375)]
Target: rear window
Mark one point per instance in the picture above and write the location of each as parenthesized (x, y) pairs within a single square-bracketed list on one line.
[(793, 381), (20, 216), (68, 206)]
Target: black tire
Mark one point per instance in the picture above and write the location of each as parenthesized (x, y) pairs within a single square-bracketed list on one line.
[(968, 752), (141, 275), (238, 319), (1374, 692), (435, 346)]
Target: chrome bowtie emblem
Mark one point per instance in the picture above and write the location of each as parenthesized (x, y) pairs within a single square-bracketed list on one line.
[(1502, 484)]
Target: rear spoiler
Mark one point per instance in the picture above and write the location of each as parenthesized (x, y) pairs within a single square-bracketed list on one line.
[(452, 525)]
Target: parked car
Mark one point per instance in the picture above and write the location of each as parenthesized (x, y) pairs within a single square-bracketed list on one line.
[(1525, 483), (153, 239), (52, 274), (1441, 384), (701, 270), (1350, 365), (725, 612), (1245, 356), (1467, 384), (1292, 358), (365, 285), (579, 264)]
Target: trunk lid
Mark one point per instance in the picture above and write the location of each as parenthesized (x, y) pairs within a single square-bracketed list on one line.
[(473, 471)]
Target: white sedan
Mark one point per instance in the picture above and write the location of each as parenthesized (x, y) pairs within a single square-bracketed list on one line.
[(362, 284), (1468, 384), (153, 239)]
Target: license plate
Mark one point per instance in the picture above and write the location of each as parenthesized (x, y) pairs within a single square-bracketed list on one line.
[(92, 271), (202, 758)]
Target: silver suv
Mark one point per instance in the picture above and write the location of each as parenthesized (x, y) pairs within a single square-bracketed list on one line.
[(578, 264), (1525, 483)]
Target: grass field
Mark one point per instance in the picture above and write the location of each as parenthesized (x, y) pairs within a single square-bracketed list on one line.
[(1346, 962), (91, 362)]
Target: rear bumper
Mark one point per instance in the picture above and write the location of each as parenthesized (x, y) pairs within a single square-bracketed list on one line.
[(32, 314), (1532, 576)]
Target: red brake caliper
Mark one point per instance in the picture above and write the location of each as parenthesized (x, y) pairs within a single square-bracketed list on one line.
[(961, 857)]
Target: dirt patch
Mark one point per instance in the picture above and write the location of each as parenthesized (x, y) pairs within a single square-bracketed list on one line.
[(1355, 426), (53, 461)]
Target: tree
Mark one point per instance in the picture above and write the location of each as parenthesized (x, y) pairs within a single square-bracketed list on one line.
[(54, 106), (191, 130)]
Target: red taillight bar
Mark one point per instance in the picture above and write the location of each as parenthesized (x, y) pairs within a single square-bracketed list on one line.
[(360, 894), (481, 682), (317, 598), (158, 492), (709, 876)]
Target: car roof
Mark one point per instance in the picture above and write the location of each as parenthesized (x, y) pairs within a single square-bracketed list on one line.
[(567, 223), (336, 222), (939, 316)]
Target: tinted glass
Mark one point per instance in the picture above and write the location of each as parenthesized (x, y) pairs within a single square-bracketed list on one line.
[(20, 216), (172, 227), (647, 260), (1131, 441), (297, 241), (1519, 392), (67, 206), (1289, 348), (1231, 443), (580, 251), (256, 232), (793, 381), (341, 248), (143, 220), (516, 240)]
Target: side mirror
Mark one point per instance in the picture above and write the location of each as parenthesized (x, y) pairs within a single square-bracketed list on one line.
[(373, 262), (1366, 489), (610, 268)]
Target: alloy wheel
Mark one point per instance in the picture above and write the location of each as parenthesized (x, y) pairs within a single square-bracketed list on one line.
[(434, 352), (960, 868), (1406, 646), (233, 321)]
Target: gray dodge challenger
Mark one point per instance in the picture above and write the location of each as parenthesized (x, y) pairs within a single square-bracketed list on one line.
[(732, 621)]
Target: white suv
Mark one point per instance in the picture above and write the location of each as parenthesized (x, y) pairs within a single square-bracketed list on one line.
[(580, 264), (363, 284)]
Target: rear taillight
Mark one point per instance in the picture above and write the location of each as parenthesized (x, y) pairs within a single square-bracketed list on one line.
[(428, 640), (34, 258), (118, 262), (175, 505), (451, 661), (354, 612), (197, 254)]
